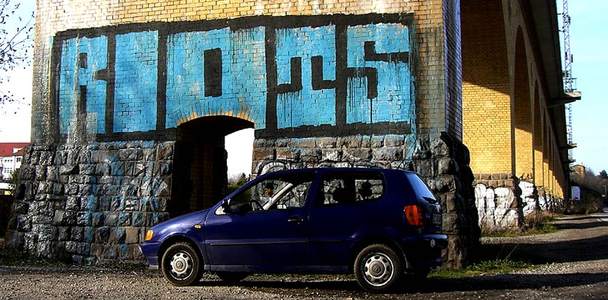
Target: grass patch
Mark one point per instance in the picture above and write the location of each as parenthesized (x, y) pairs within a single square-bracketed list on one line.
[(488, 267)]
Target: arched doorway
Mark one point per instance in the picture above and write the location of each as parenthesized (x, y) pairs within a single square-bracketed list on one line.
[(200, 162)]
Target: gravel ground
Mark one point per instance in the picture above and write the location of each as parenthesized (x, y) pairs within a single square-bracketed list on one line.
[(581, 272)]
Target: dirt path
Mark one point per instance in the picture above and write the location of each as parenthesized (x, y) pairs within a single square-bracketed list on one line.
[(573, 265)]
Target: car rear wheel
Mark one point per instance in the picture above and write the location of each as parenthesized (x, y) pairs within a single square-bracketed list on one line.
[(378, 268), (181, 264), (231, 277)]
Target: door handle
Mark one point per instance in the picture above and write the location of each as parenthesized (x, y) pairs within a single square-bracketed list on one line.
[(296, 220)]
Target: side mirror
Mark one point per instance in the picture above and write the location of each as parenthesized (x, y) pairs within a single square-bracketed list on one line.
[(234, 208), (226, 206)]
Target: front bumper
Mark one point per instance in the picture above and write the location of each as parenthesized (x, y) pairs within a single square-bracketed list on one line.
[(150, 252)]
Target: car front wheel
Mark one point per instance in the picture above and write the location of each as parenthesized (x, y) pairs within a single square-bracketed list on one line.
[(181, 264), (378, 268)]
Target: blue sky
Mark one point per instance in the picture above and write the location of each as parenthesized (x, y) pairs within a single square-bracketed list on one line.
[(589, 44), (15, 117), (589, 41)]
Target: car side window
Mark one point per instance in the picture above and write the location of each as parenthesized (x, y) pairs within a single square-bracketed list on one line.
[(351, 188), (260, 194), (295, 197), (275, 193)]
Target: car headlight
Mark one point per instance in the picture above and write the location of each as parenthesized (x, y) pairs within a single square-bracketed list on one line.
[(149, 235)]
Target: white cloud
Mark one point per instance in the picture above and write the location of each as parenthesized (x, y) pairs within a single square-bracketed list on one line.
[(15, 118)]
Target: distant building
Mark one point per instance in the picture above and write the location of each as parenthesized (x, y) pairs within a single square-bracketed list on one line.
[(579, 169), (11, 155)]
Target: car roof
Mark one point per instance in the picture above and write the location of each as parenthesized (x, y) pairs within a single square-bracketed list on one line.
[(335, 169)]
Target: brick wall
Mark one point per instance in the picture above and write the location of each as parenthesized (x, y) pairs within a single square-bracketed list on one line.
[(429, 27), (486, 87), (522, 112), (504, 112), (453, 60)]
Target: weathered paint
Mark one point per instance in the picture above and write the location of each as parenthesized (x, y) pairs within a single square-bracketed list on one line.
[(393, 102), (324, 79), (243, 80), (136, 79), (305, 106), (80, 59)]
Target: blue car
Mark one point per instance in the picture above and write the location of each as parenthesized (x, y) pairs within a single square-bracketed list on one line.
[(383, 225)]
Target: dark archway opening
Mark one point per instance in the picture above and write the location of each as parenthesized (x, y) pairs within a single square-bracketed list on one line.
[(522, 112), (200, 162)]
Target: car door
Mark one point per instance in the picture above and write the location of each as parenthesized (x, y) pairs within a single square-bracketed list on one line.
[(346, 206), (271, 235)]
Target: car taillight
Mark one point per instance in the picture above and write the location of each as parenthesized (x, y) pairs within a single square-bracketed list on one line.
[(413, 215)]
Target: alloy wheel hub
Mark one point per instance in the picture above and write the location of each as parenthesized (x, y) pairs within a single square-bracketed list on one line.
[(181, 264), (378, 269)]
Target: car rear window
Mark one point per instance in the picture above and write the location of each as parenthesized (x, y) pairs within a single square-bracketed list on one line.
[(419, 187), (351, 188)]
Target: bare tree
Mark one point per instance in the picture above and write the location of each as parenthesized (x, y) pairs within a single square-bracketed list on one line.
[(15, 43)]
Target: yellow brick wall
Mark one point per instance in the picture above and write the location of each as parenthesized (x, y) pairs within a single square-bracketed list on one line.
[(546, 159), (486, 102), (487, 128), (57, 15), (502, 129), (522, 111), (538, 140)]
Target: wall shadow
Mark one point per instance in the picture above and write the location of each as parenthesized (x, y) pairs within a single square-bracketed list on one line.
[(563, 251), (580, 225)]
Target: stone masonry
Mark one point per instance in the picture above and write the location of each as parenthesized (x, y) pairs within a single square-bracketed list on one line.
[(443, 163), (88, 203)]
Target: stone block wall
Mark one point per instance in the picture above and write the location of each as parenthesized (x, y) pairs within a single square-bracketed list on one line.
[(442, 162), (385, 151), (91, 202), (498, 202), (503, 202)]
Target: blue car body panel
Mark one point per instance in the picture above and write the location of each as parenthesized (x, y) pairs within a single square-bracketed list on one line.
[(312, 238)]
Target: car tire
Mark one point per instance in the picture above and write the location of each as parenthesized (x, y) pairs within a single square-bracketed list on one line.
[(378, 268), (232, 277), (181, 264)]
